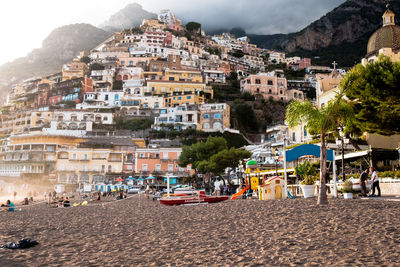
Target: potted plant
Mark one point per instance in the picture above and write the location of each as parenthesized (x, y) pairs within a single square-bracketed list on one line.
[(306, 173), (347, 189)]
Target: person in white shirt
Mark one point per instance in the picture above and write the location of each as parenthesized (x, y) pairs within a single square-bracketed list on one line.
[(217, 187), (375, 182)]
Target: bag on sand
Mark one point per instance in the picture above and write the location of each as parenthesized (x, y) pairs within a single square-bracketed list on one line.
[(22, 244)]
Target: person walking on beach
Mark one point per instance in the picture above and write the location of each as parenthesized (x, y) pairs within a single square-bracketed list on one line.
[(217, 189), (375, 182), (363, 178)]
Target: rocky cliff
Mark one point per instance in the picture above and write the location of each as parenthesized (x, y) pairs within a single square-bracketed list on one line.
[(61, 46), (342, 33), (130, 16)]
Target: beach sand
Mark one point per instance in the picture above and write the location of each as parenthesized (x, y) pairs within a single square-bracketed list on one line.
[(138, 231)]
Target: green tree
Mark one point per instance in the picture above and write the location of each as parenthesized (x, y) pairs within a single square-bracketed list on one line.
[(117, 85), (227, 158), (246, 117), (85, 59), (237, 53), (375, 91), (201, 151), (96, 66), (321, 121), (193, 27)]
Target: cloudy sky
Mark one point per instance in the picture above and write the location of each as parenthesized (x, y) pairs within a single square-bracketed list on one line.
[(25, 24)]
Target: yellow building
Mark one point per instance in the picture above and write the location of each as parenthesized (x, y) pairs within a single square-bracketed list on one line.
[(169, 88), (183, 99), (183, 75), (87, 165), (30, 155)]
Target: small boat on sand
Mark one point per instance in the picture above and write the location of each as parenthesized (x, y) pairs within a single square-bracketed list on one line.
[(195, 198)]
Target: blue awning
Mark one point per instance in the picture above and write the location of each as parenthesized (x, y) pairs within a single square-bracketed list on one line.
[(307, 150)]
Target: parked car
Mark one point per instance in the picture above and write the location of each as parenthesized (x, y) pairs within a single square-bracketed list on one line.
[(133, 190)]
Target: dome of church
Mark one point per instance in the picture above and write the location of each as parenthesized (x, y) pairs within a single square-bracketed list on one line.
[(385, 37)]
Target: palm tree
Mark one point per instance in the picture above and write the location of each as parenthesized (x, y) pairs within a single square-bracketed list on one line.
[(321, 121)]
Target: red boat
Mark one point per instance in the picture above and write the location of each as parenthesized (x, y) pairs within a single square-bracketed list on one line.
[(198, 197)]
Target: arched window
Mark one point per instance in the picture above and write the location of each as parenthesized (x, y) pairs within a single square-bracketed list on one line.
[(206, 125), (217, 116), (84, 178), (63, 178), (217, 125), (125, 77), (206, 116), (73, 178)]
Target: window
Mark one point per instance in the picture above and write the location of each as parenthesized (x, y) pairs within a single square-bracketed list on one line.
[(165, 154), (170, 167), (122, 63), (62, 167), (217, 116), (305, 131), (95, 168), (105, 97), (71, 167), (294, 137), (270, 91), (206, 125), (116, 97), (206, 116), (85, 156), (270, 82), (84, 168), (144, 167), (281, 92), (258, 81), (74, 156), (158, 167), (172, 78), (188, 97), (179, 98)]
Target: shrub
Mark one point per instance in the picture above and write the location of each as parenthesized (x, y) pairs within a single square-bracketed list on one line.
[(347, 187)]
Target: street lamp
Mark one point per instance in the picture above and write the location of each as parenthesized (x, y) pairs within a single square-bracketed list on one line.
[(276, 162), (340, 142)]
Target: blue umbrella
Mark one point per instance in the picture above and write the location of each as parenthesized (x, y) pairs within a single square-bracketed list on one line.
[(150, 178), (140, 178), (130, 178)]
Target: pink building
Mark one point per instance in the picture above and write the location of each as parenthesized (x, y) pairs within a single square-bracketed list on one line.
[(160, 161), (272, 84)]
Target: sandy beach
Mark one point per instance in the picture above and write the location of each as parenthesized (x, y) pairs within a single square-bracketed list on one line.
[(138, 231)]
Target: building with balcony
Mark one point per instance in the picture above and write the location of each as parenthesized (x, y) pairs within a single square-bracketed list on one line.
[(272, 84), (214, 117)]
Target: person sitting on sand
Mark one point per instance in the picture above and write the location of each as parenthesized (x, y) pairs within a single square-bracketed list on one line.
[(60, 203), (9, 206), (66, 203), (26, 201)]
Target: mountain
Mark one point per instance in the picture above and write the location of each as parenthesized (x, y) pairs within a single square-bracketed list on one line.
[(130, 16), (340, 35), (61, 46)]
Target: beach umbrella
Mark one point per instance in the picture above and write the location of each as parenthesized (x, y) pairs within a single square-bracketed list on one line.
[(150, 178), (140, 178), (130, 178), (119, 180)]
